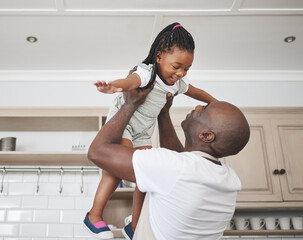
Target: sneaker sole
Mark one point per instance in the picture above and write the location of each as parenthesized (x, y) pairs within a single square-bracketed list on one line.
[(102, 235)]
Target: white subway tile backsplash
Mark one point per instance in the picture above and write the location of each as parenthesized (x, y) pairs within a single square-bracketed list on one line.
[(10, 201), (2, 215), (46, 216), (72, 216), (9, 238), (67, 177), (13, 177), (33, 177), (91, 177), (80, 231), (19, 216), (92, 188), (84, 203), (49, 189), (72, 189), (27, 215), (35, 202), (61, 202), (60, 230), (21, 188), (8, 230), (33, 230)]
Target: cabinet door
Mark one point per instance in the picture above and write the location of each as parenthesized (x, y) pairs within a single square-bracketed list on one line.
[(288, 136), (255, 164)]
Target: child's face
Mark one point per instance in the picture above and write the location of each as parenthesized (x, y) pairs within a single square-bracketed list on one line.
[(174, 65)]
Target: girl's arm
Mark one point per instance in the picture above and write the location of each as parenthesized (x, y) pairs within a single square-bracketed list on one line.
[(132, 81), (167, 134), (199, 94)]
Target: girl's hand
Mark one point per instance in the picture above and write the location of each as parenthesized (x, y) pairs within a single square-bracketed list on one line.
[(169, 102), (104, 87)]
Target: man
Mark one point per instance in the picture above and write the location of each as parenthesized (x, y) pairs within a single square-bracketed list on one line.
[(191, 194)]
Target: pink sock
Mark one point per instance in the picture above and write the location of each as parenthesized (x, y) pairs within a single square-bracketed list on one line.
[(100, 224)]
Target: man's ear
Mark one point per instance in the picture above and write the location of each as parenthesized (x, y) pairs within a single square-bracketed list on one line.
[(207, 136)]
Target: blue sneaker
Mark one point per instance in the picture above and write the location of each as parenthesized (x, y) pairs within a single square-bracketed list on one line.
[(102, 232), (128, 232)]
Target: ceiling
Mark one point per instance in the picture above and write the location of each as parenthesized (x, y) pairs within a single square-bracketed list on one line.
[(235, 39)]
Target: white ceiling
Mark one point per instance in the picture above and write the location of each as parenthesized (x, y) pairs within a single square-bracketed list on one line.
[(234, 38)]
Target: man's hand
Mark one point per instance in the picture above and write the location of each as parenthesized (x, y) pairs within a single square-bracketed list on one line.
[(132, 70), (136, 96), (104, 87)]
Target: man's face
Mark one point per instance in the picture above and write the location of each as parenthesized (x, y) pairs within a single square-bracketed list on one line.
[(199, 114)]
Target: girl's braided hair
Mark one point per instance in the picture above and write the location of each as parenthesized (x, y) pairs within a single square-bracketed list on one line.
[(174, 35)]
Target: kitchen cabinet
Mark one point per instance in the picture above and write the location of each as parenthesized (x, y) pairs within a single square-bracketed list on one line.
[(288, 138), (270, 166)]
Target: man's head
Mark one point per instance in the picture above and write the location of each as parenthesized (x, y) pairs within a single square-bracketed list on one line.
[(218, 128)]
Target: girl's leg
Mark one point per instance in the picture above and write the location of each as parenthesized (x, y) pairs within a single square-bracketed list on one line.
[(107, 186), (138, 199)]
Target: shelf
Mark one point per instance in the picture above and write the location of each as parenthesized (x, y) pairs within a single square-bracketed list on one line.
[(123, 193), (54, 123), (269, 206), (117, 232), (262, 232), (45, 158)]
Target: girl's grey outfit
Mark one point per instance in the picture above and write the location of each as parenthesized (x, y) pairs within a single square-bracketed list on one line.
[(141, 125)]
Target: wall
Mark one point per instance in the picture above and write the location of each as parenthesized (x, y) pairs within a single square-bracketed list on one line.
[(27, 215), (83, 93)]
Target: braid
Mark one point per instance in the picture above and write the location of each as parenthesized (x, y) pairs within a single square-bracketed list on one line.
[(174, 35)]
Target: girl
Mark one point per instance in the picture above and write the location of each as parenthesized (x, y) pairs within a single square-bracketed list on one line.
[(170, 57)]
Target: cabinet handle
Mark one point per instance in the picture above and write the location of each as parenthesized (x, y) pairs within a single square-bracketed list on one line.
[(282, 171), (276, 172)]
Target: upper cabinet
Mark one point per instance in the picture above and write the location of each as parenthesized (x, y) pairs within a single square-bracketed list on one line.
[(255, 165), (288, 139), (270, 166)]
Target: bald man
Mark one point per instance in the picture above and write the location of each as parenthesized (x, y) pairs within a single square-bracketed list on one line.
[(191, 194)]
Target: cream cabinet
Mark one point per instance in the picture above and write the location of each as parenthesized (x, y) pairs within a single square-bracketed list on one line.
[(288, 139), (255, 165), (270, 166)]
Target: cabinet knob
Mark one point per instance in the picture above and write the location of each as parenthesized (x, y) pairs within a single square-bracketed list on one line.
[(282, 171), (276, 172)]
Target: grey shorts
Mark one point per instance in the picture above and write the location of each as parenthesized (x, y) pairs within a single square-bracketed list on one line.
[(141, 126)]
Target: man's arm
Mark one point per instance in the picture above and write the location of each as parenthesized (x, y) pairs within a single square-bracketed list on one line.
[(106, 151), (167, 133)]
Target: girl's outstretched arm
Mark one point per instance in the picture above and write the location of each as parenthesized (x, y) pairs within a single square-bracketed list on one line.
[(132, 81), (199, 94)]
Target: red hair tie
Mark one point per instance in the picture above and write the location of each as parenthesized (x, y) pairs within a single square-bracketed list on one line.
[(177, 26)]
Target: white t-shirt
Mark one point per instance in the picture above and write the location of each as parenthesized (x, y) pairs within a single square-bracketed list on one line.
[(191, 198), (144, 71)]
